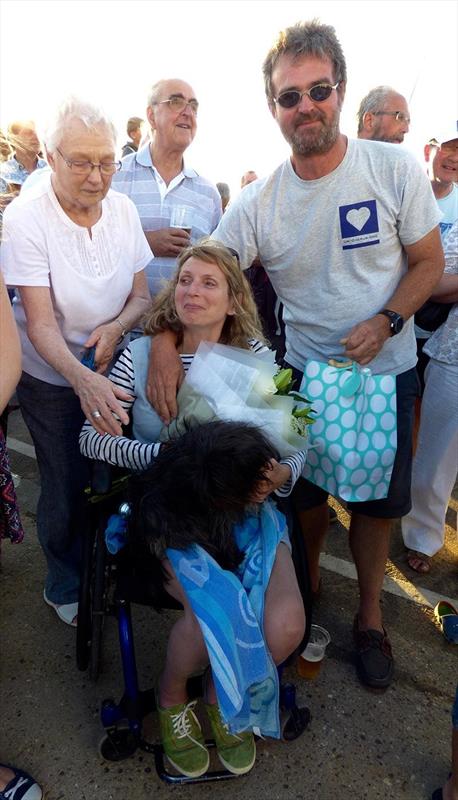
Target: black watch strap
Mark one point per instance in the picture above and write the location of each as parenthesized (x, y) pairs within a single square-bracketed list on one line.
[(396, 321)]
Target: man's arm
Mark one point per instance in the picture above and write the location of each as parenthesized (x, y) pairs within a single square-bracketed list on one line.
[(425, 267), (446, 290), (165, 376)]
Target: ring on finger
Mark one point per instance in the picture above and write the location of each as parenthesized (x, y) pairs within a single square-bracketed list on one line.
[(96, 414)]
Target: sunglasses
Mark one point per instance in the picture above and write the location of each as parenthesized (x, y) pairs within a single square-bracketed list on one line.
[(317, 93)]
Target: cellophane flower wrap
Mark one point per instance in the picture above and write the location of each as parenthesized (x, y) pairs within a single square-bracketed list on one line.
[(229, 383)]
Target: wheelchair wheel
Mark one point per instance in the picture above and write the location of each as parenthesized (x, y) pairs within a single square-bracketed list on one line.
[(83, 630), (98, 603)]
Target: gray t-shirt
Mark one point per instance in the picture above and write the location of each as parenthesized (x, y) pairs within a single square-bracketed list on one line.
[(333, 247)]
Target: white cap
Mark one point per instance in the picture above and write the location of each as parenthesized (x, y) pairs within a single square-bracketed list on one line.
[(446, 134)]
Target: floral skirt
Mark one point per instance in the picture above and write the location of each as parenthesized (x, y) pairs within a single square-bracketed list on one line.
[(10, 521)]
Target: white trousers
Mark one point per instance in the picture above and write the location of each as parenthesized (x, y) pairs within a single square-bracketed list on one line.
[(435, 463)]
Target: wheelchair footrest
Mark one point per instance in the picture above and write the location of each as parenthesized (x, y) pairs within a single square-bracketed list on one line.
[(173, 778)]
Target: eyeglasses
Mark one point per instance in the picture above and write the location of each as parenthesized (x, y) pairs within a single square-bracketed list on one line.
[(86, 167), (398, 115), (178, 103), (317, 93)]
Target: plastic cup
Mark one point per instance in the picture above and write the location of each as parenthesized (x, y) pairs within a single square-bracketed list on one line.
[(181, 217), (310, 660)]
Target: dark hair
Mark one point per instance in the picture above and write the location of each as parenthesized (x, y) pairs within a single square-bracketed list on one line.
[(199, 487), (305, 39)]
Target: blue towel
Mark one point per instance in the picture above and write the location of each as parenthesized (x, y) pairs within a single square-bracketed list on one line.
[(230, 609), (116, 533)]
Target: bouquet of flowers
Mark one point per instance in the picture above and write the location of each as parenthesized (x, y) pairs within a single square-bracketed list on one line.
[(229, 383)]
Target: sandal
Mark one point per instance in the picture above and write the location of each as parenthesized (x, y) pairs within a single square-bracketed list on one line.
[(21, 786), (419, 562), (67, 612)]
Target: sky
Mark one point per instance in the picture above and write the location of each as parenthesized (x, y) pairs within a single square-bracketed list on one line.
[(111, 51)]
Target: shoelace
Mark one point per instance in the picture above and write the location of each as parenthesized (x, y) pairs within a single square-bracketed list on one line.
[(182, 726), (19, 783)]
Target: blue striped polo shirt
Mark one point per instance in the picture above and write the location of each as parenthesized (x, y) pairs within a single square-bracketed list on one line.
[(139, 180)]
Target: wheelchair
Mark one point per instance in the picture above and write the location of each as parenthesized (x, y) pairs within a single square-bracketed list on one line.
[(109, 587)]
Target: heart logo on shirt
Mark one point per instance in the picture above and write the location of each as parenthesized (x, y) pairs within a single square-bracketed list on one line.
[(358, 217)]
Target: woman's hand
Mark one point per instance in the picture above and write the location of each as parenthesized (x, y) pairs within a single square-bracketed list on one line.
[(105, 338), (276, 475), (99, 399)]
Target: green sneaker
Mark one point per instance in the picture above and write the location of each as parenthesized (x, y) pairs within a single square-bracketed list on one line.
[(236, 751), (182, 739)]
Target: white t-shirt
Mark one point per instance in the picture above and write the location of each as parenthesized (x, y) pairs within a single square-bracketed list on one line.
[(333, 247), (449, 207), (90, 279)]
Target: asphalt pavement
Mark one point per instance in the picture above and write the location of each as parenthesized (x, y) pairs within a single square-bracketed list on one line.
[(360, 745)]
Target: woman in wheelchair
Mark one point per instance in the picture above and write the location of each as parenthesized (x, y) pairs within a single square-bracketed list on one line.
[(206, 491)]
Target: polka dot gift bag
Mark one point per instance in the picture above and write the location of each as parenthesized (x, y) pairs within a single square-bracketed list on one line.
[(353, 439)]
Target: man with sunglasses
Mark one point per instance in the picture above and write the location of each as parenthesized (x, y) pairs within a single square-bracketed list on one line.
[(347, 231), (157, 179), (383, 116)]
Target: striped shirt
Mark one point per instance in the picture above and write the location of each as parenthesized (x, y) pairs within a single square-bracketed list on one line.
[(140, 180), (138, 456)]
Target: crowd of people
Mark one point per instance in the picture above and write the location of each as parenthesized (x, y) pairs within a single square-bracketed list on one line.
[(342, 245)]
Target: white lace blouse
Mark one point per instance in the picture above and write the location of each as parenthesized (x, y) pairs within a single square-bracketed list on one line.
[(90, 278)]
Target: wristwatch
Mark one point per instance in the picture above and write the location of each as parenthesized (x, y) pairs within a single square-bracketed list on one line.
[(396, 321)]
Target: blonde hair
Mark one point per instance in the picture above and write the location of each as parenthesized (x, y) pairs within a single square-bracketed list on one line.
[(239, 327)]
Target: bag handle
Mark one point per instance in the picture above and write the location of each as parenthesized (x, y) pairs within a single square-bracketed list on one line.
[(353, 383), (338, 364)]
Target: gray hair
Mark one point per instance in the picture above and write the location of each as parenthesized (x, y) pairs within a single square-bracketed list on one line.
[(74, 108), (223, 189), (373, 101), (154, 92), (305, 39)]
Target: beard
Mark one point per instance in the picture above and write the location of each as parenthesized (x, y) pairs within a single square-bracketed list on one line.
[(307, 142)]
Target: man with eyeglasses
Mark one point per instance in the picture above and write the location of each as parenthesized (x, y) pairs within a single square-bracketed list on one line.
[(435, 462), (383, 116), (347, 231), (441, 156), (157, 179)]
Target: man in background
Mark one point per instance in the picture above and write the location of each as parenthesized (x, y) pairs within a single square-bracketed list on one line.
[(441, 156), (248, 177), (156, 179), (25, 159), (383, 116), (134, 132)]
